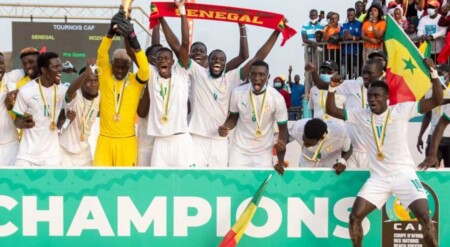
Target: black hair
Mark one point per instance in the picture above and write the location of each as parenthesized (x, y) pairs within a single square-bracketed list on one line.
[(260, 63), (351, 9), (313, 11), (380, 12), (381, 84), (216, 50), (149, 49), (200, 43), (43, 60), (165, 49), (315, 129), (82, 70), (1, 54), (378, 64)]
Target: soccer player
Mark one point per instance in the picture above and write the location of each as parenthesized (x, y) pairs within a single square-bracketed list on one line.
[(254, 109), (9, 142), (392, 169), (82, 98), (37, 108), (120, 93), (324, 144), (355, 92)]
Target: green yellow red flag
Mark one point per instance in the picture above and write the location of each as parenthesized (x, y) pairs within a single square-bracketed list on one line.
[(235, 234), (407, 75)]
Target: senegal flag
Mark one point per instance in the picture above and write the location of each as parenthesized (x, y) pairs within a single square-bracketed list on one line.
[(235, 234), (407, 75)]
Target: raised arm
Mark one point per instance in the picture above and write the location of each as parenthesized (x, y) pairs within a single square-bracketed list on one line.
[(171, 38), (436, 98), (312, 70), (261, 54), (289, 81), (76, 84), (184, 49), (243, 50), (331, 108)]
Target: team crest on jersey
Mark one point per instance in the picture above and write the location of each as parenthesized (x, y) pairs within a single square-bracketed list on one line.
[(266, 108), (328, 149)]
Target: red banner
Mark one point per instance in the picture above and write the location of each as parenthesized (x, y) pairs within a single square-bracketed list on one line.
[(223, 13)]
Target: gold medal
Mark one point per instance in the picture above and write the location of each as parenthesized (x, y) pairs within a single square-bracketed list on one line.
[(52, 126), (164, 119), (326, 117), (117, 117), (82, 137), (258, 132), (380, 156)]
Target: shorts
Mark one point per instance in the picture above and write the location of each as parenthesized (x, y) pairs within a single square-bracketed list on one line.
[(259, 160), (84, 158), (8, 153), (27, 163), (358, 160), (173, 151), (405, 185), (116, 151), (210, 152)]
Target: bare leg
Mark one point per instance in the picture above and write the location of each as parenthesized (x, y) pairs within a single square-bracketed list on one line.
[(361, 208), (420, 209)]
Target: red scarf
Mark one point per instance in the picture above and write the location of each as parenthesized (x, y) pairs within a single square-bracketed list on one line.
[(223, 13)]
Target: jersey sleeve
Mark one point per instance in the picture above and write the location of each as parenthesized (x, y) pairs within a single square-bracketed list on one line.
[(20, 107), (281, 115), (234, 78)]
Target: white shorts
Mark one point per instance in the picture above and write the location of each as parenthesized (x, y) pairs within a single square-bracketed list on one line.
[(210, 152), (173, 151), (26, 163), (358, 160), (8, 153), (259, 160), (84, 158), (145, 150), (405, 185)]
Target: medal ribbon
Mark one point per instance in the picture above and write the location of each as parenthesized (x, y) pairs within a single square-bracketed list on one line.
[(438, 108), (118, 101), (88, 114), (317, 152), (363, 97), (261, 111), (52, 114), (166, 96), (380, 142)]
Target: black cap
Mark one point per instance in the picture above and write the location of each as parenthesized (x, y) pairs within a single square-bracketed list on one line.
[(330, 65), (443, 67), (377, 54)]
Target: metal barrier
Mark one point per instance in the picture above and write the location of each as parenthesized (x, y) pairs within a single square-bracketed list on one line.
[(295, 113)]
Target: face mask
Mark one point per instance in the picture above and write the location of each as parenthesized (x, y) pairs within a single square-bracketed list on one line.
[(326, 78), (431, 11), (315, 21), (442, 80), (262, 90), (277, 84)]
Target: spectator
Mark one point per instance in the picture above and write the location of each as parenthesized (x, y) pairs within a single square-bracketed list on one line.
[(411, 8), (297, 89), (319, 56), (360, 11), (351, 31), (278, 84), (309, 38), (373, 29), (331, 35), (412, 33), (391, 7), (444, 21), (429, 30), (399, 18)]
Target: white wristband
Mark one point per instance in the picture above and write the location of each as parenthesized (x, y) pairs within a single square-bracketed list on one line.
[(182, 10), (434, 74), (342, 161), (331, 89)]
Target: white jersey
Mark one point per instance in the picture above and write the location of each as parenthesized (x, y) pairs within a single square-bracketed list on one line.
[(336, 142), (177, 103), (437, 112), (397, 157), (244, 137), (86, 110), (12, 77), (7, 129), (356, 97), (39, 145), (317, 103), (210, 100)]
